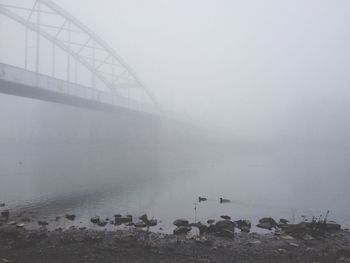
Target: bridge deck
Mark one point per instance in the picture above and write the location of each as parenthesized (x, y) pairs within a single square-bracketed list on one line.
[(19, 82)]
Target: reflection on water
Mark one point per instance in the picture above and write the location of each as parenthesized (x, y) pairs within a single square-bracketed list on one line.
[(96, 179)]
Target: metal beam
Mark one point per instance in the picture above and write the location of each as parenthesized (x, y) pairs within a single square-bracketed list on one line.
[(102, 43), (58, 43), (93, 42)]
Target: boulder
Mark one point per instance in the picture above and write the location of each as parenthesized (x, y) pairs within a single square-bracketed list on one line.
[(210, 221), (225, 224), (226, 233), (267, 223), (180, 222), (42, 223), (144, 218), (182, 230), (5, 213), (102, 223), (333, 227), (140, 224), (122, 219), (244, 225), (226, 217), (2, 205), (283, 221), (70, 217), (152, 222), (95, 219)]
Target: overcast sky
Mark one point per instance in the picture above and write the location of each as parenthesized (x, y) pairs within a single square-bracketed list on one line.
[(262, 68)]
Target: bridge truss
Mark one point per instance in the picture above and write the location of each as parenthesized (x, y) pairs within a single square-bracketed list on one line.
[(49, 23)]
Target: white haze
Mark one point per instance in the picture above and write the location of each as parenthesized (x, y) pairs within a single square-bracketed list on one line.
[(264, 69), (271, 70)]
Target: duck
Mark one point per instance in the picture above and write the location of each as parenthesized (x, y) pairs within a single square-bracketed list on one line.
[(202, 199), (222, 200)]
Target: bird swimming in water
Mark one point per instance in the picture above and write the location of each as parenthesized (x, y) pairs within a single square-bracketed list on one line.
[(202, 199), (222, 200)]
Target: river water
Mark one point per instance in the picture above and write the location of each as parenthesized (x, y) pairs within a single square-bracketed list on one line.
[(56, 159), (53, 179)]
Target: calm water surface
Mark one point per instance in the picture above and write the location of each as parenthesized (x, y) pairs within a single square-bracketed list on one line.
[(90, 179)]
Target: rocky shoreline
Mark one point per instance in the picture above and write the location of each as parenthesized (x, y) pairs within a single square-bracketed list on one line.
[(225, 240)]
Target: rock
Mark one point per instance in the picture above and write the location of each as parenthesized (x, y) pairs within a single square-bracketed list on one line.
[(95, 219), (117, 215), (296, 229), (152, 222), (5, 213), (312, 228), (182, 230), (180, 222), (224, 224), (226, 233), (122, 219), (70, 217), (254, 242), (102, 223), (333, 227), (12, 223), (287, 237), (2, 205), (307, 237), (144, 218), (222, 228), (202, 240), (283, 221), (282, 250), (344, 259), (42, 223), (140, 224), (5, 260), (211, 221), (294, 244), (267, 223), (264, 225), (244, 225), (226, 217), (202, 228)]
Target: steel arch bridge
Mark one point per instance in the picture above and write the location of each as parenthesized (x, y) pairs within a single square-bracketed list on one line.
[(89, 71)]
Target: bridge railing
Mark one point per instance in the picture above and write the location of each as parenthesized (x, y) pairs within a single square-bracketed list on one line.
[(21, 76)]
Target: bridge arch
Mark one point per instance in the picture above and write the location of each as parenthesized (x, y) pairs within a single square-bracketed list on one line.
[(77, 41)]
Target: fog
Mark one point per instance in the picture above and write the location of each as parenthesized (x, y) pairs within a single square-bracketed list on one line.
[(267, 70), (275, 70), (259, 75)]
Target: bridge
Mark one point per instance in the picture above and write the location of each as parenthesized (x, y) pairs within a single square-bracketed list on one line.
[(80, 69)]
